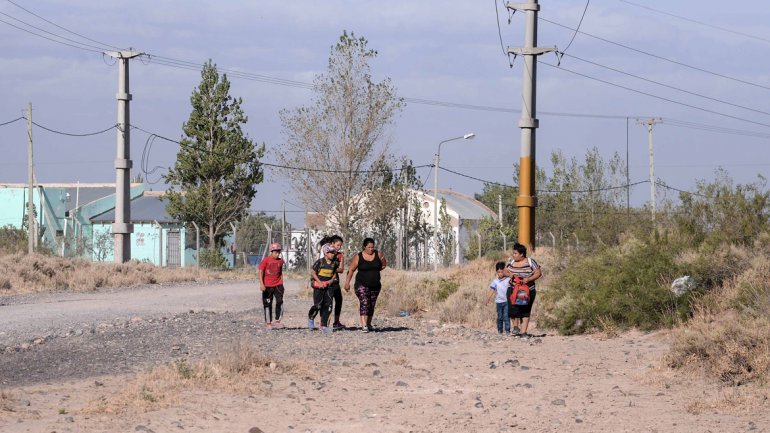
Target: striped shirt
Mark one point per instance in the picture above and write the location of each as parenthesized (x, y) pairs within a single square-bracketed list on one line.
[(523, 271)]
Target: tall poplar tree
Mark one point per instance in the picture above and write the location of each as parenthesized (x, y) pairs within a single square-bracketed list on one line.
[(217, 168)]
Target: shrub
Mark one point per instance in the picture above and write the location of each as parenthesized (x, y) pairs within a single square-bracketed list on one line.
[(445, 288), (12, 240), (213, 259), (620, 287)]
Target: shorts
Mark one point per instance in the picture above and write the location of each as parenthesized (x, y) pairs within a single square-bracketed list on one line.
[(522, 311)]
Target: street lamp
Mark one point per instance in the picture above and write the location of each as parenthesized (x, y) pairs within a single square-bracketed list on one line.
[(467, 136)]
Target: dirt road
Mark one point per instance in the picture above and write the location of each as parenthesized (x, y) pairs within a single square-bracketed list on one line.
[(59, 353)]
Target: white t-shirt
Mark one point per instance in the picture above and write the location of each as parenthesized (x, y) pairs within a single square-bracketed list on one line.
[(501, 287)]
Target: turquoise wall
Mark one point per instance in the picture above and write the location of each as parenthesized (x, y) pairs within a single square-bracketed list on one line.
[(145, 244)]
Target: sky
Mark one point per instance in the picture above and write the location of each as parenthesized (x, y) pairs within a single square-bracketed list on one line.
[(701, 67)]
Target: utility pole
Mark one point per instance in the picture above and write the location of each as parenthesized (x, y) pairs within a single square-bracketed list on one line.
[(31, 237), (283, 231), (122, 227), (526, 202), (650, 123), (628, 176)]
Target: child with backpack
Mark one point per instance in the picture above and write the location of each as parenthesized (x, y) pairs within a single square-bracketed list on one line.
[(499, 290), (324, 281), (523, 272)]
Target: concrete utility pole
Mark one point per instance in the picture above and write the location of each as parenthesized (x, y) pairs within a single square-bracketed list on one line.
[(30, 175), (650, 123), (122, 227), (526, 202)]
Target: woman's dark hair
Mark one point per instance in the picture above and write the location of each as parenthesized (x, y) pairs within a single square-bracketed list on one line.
[(368, 241), (499, 265), (335, 238), (325, 240), (521, 249)]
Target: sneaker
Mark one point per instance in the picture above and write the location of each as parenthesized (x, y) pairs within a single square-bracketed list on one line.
[(525, 336), (516, 330), (326, 329), (277, 324), (364, 329), (310, 324), (269, 326), (338, 325), (370, 328)]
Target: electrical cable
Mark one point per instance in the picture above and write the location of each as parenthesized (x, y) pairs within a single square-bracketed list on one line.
[(646, 53), (46, 31), (663, 84), (60, 27), (72, 134), (656, 96), (724, 29), (577, 29), (12, 121), (46, 37), (268, 164)]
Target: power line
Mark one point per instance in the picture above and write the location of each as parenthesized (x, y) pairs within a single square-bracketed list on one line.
[(73, 134), (655, 96), (577, 29), (268, 164), (50, 39), (646, 53), (12, 121), (663, 84), (724, 29), (60, 27)]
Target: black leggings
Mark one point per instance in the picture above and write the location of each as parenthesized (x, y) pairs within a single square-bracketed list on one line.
[(322, 301), (337, 295), (267, 302)]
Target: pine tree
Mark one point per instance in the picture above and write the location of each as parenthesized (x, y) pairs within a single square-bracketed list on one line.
[(217, 168)]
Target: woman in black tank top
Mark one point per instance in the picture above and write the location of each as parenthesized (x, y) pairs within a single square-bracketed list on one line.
[(368, 263)]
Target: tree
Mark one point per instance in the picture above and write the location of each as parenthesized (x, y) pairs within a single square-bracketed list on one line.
[(252, 234), (343, 130), (217, 168)]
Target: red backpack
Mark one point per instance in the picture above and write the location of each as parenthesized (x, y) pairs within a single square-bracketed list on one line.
[(519, 292)]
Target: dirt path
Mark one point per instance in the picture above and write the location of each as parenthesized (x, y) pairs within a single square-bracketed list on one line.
[(411, 375)]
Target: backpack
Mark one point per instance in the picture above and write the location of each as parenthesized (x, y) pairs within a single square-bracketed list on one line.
[(519, 293)]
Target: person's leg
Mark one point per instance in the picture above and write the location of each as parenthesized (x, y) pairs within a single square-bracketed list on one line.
[(506, 319), (527, 311), (500, 310), (362, 293), (279, 290), (326, 307), (373, 295), (337, 303), (315, 308), (267, 305)]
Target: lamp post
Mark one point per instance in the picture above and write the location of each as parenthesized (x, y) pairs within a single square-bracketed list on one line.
[(467, 136)]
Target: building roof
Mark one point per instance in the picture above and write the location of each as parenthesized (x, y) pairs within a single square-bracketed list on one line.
[(147, 208), (466, 206)]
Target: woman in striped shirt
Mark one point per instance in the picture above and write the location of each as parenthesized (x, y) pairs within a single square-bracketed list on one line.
[(528, 271)]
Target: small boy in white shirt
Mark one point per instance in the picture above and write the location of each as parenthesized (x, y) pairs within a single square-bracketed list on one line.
[(499, 289)]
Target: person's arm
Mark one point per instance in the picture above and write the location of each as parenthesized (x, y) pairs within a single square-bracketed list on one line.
[(535, 275), (492, 293), (341, 268), (351, 269), (261, 277), (383, 260)]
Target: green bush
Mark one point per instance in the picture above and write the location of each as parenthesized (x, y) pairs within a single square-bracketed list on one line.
[(213, 259), (445, 288), (621, 287)]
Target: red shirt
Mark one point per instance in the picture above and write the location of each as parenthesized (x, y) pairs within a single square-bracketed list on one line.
[(272, 271)]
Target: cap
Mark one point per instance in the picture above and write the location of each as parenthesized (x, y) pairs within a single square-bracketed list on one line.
[(328, 248), (275, 246)]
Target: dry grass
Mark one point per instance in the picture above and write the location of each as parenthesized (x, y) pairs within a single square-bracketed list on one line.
[(729, 336), (240, 370), (735, 400), (41, 273), (7, 403)]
